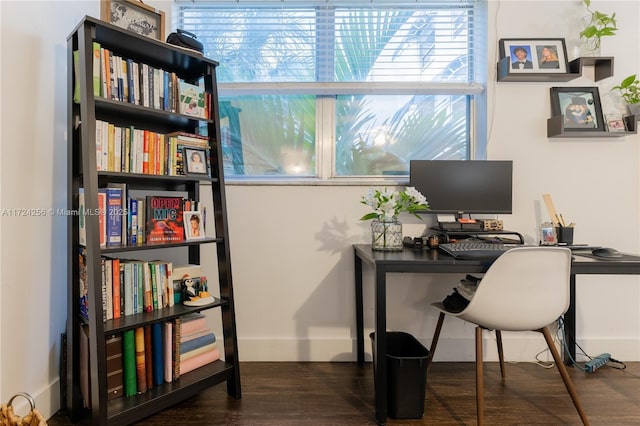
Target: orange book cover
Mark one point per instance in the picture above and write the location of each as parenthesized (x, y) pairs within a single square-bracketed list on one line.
[(145, 152), (141, 372), (115, 277)]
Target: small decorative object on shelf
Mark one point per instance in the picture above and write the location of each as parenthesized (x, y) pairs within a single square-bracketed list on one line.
[(597, 25), (386, 229)]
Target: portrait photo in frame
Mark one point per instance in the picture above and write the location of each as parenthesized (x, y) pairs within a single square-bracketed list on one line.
[(135, 16), (580, 107), (615, 123), (195, 161), (535, 55), (193, 225)]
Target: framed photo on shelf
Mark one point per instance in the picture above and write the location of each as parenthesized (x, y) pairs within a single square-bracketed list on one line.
[(535, 55), (615, 123), (580, 107), (133, 15), (195, 161), (193, 225)]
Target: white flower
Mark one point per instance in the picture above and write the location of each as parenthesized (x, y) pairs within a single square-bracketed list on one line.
[(387, 204)]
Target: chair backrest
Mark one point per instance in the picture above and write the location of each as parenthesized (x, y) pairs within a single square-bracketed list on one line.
[(526, 288)]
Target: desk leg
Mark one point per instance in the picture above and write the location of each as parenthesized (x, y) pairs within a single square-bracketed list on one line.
[(359, 311), (570, 324), (380, 355)]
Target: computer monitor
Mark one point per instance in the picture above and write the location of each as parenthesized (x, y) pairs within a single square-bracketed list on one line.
[(464, 186)]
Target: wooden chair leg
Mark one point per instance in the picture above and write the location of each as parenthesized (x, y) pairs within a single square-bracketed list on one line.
[(479, 378), (436, 336), (500, 352), (565, 375)]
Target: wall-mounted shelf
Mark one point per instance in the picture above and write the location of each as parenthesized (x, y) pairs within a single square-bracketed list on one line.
[(603, 68), (555, 129)]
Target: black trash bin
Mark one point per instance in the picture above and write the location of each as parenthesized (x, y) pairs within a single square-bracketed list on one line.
[(406, 375)]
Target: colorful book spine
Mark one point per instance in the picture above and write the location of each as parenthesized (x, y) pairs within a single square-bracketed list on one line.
[(148, 355), (199, 361), (114, 215), (115, 274), (189, 345), (167, 352), (129, 358), (141, 372), (115, 385), (157, 350)]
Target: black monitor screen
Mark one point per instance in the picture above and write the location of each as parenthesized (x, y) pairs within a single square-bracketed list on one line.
[(464, 186)]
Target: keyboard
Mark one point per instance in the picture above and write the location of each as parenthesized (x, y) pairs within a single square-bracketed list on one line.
[(476, 250)]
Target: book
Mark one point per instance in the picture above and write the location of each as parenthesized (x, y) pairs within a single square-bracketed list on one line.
[(194, 352), (175, 347), (157, 351), (113, 215), (115, 374), (129, 362), (167, 351), (191, 344), (192, 323), (102, 217), (116, 304), (148, 356), (199, 361), (141, 372), (82, 283), (108, 279), (164, 221), (191, 99)]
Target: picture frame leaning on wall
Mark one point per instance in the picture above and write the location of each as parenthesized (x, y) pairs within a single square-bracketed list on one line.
[(580, 107), (134, 16), (535, 55)]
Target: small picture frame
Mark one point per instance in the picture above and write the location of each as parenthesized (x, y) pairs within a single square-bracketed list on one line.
[(193, 225), (134, 16), (195, 161), (535, 55), (580, 108), (615, 123), (548, 234)]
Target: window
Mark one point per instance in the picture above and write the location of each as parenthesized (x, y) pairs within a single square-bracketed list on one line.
[(351, 89)]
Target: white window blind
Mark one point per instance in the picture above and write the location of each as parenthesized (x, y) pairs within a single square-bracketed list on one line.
[(338, 42), (332, 89)]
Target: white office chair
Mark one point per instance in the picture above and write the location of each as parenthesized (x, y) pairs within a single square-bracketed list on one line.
[(525, 289)]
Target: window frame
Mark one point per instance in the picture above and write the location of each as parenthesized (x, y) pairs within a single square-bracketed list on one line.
[(326, 92)]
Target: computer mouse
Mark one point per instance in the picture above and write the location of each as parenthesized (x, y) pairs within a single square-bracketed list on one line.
[(606, 252)]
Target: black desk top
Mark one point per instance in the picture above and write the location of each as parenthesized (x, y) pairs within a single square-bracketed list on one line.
[(434, 260)]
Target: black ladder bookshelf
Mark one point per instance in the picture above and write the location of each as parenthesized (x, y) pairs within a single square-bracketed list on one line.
[(83, 173)]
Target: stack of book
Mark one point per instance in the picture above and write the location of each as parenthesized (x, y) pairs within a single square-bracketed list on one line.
[(198, 345)]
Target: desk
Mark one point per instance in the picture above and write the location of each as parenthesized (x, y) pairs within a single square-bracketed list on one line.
[(433, 262)]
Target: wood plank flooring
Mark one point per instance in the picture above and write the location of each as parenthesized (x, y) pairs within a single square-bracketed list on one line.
[(312, 393)]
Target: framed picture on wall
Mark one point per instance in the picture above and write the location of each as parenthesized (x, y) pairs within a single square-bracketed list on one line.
[(580, 107), (133, 15), (535, 55)]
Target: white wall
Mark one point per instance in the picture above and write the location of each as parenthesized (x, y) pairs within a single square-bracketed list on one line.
[(291, 246)]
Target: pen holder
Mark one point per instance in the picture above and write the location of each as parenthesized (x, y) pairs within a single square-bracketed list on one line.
[(565, 234)]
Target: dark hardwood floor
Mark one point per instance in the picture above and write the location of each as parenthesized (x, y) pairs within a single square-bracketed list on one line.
[(323, 393)]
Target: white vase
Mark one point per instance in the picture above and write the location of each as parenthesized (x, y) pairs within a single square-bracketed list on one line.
[(386, 235), (634, 109)]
